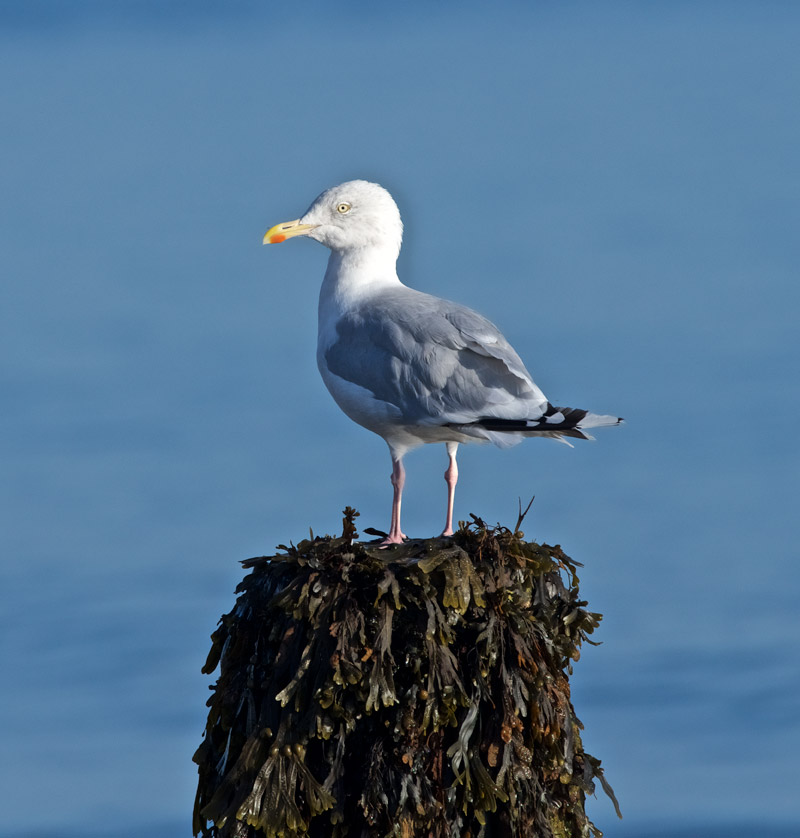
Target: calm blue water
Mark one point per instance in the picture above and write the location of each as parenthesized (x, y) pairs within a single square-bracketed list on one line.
[(615, 187)]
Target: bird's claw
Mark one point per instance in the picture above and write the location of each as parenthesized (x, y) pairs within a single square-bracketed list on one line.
[(393, 538)]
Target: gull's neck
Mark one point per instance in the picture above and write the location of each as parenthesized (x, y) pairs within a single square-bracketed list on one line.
[(355, 273)]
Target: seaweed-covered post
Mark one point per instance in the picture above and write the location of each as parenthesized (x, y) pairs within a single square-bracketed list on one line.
[(417, 691)]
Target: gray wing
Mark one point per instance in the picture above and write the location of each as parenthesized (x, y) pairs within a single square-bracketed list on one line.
[(436, 361)]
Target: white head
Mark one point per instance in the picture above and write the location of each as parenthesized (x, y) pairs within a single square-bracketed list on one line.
[(351, 216)]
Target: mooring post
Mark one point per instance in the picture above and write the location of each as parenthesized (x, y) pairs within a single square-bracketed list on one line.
[(421, 690)]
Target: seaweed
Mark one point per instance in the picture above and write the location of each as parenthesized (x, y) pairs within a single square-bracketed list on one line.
[(420, 690)]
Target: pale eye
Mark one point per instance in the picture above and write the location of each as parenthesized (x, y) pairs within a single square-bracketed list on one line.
[(343, 207)]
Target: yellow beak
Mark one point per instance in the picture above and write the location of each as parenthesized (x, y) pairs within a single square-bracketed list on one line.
[(287, 230)]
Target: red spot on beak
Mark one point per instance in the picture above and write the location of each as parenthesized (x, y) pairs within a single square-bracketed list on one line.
[(277, 238)]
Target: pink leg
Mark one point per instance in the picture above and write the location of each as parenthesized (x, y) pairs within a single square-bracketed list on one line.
[(396, 535), (451, 476)]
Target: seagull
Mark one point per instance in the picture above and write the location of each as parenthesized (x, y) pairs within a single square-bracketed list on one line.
[(411, 367)]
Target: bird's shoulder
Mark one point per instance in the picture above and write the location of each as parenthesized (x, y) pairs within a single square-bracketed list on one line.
[(428, 319)]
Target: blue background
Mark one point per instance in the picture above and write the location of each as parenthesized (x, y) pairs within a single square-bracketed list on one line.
[(614, 184)]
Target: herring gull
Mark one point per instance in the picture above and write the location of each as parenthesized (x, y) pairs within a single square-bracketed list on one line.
[(411, 367)]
